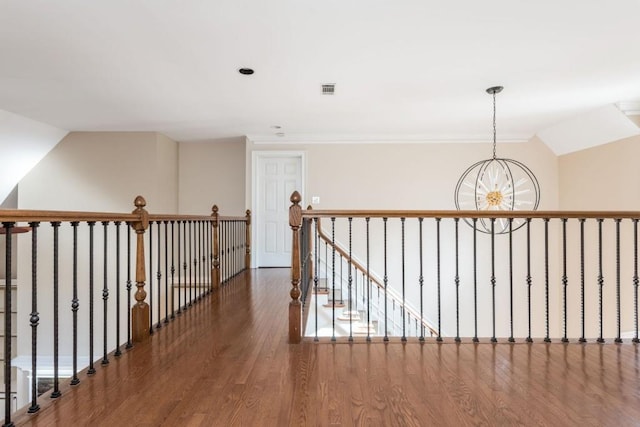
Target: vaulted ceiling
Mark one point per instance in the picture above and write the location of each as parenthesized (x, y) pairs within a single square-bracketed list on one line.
[(412, 70)]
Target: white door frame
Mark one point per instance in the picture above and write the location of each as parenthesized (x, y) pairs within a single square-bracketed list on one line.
[(255, 186)]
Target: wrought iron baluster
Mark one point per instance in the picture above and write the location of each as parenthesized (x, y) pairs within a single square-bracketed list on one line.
[(34, 319), (385, 281), (191, 264), (118, 352), (582, 281), (456, 279), (91, 369), (600, 282), (105, 293), (618, 337), (350, 281), (166, 272), (56, 318), (636, 280), (511, 338), (333, 279), (315, 276), (184, 263), (565, 280), (75, 304), (546, 280), (404, 334), (173, 269), (129, 344), (493, 281), (8, 228), (368, 283), (529, 281), (475, 280), (159, 276), (150, 277), (420, 280)]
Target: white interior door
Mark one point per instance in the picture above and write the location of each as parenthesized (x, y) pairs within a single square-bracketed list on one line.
[(278, 177)]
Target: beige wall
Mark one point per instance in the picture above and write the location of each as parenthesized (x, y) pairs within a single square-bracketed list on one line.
[(104, 171), (602, 178), (212, 173), (406, 176)]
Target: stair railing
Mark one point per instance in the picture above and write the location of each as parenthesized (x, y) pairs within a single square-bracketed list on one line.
[(492, 275), (173, 261)]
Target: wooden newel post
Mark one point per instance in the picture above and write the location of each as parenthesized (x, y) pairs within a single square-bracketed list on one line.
[(215, 272), (247, 254), (295, 308), (140, 321)]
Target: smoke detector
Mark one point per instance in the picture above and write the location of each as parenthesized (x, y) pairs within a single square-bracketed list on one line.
[(328, 88)]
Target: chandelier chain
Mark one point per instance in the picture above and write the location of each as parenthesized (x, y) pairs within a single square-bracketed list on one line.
[(494, 125)]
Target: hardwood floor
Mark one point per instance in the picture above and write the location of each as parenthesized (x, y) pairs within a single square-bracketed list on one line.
[(226, 362)]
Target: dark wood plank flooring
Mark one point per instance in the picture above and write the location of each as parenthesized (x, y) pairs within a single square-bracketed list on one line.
[(226, 362)]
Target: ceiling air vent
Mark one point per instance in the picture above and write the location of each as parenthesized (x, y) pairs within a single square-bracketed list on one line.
[(328, 88)]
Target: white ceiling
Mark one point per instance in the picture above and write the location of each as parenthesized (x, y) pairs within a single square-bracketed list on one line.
[(404, 70)]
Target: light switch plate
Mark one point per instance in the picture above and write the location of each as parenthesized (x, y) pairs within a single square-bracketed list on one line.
[(315, 200)]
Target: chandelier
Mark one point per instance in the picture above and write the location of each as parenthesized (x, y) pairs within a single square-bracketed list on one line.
[(497, 184)]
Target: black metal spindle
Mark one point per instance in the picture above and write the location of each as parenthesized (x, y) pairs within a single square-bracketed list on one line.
[(529, 281), (493, 281), (636, 280), (56, 315), (475, 280), (92, 369), (600, 282), (173, 268), (315, 273), (546, 280), (179, 275), (404, 333), (8, 228), (456, 280), (420, 280), (511, 338), (198, 265), (75, 304), (565, 280), (333, 279), (166, 271), (105, 294), (367, 219), (619, 336), (151, 277), (438, 281), (34, 320), (582, 281), (350, 279), (191, 265), (184, 263), (118, 352), (159, 276), (385, 281), (129, 343)]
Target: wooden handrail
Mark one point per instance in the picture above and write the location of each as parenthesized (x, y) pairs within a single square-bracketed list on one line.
[(363, 270), (469, 214)]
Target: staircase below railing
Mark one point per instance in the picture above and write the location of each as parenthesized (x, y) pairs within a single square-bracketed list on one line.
[(188, 257), (371, 303)]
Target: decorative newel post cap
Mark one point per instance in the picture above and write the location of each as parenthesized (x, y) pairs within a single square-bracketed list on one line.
[(248, 212), (140, 202), (214, 209), (295, 198)]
